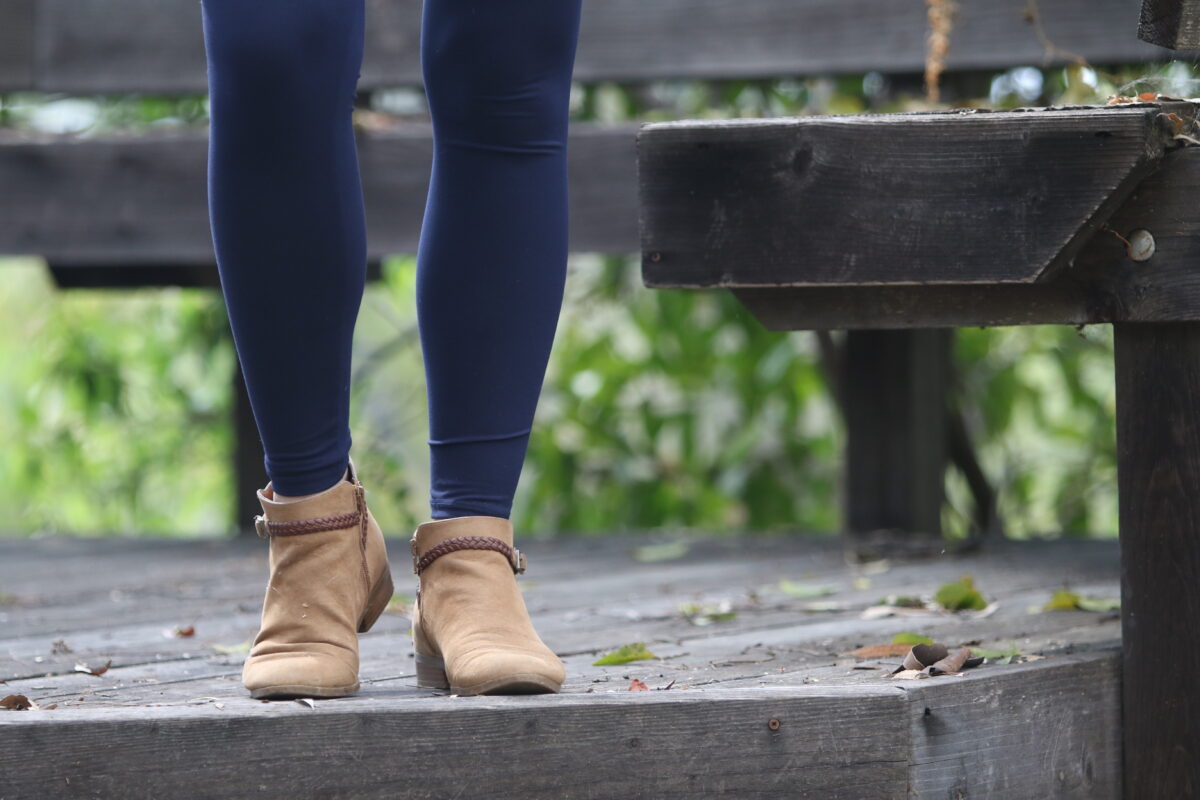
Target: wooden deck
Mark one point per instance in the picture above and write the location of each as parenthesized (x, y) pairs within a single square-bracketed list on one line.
[(763, 702)]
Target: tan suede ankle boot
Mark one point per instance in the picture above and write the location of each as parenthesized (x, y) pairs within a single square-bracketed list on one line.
[(329, 582), (471, 630)]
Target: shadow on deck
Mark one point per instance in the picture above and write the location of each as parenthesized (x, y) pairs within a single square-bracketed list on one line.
[(763, 702)]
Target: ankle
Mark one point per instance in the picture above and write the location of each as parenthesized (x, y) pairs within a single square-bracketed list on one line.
[(282, 498)]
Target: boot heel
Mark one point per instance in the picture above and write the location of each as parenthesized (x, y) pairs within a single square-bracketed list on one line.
[(431, 673), (431, 669), (381, 595)]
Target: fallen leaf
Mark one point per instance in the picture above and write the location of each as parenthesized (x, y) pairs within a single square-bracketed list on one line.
[(905, 637), (1063, 600), (909, 674), (232, 649), (185, 633), (922, 655), (698, 614), (666, 551), (960, 595), (85, 669), (881, 651), (17, 702), (624, 654), (805, 590), (637, 686), (997, 656), (952, 663), (901, 600)]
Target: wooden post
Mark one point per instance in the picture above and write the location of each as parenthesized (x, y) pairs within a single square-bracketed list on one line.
[(249, 473), (1158, 447), (896, 449), (1171, 23)]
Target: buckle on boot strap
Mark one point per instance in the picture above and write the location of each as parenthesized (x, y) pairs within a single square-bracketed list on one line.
[(516, 559)]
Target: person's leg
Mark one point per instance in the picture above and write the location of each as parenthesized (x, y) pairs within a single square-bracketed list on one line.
[(288, 229), (493, 251)]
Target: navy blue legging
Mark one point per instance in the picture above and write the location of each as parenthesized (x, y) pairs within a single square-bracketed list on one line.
[(287, 215)]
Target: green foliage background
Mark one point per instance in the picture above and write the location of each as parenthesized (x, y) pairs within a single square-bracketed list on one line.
[(661, 409)]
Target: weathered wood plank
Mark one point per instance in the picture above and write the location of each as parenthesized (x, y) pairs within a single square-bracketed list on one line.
[(844, 732), (954, 197), (1171, 23), (1043, 729), (896, 445), (1102, 285), (838, 742), (143, 200), (157, 45), (1158, 455), (17, 25)]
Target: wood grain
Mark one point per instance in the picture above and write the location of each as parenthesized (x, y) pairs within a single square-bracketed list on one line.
[(1171, 23), (954, 197), (1102, 284), (157, 45), (129, 201), (896, 436), (1158, 464), (170, 719)]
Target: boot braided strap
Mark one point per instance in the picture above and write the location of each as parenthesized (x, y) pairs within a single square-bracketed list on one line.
[(267, 529), (516, 558)]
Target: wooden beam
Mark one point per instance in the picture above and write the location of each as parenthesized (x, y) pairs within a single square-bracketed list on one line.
[(114, 46), (896, 385), (1102, 285), (1158, 455), (128, 200), (1171, 23), (17, 26), (954, 197)]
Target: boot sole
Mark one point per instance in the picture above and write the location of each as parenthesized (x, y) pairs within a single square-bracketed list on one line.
[(431, 674), (299, 690)]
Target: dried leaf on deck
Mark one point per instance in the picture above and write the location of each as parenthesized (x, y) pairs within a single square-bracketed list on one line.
[(86, 670), (637, 686), (185, 632), (232, 649), (624, 654), (922, 655), (881, 651), (17, 702), (952, 663)]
